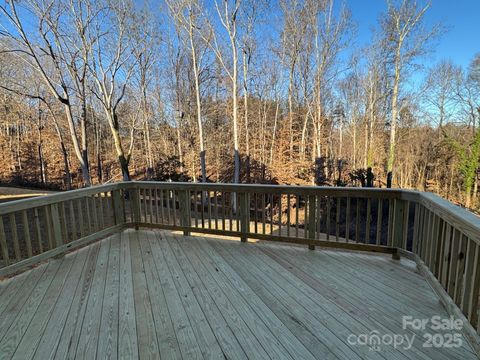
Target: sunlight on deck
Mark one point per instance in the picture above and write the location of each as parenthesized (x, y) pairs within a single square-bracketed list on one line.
[(139, 294)]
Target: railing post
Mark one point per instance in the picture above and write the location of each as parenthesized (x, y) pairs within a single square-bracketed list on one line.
[(244, 212), (118, 210), (135, 199), (311, 219), (400, 210), (184, 205), (57, 230)]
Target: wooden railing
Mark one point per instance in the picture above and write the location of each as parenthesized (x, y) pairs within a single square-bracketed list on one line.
[(442, 238), (33, 230), (340, 217)]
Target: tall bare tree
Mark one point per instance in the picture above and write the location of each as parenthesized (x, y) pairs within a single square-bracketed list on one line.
[(406, 38), (46, 53)]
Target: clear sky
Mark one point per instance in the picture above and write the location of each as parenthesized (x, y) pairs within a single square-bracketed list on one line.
[(461, 17)]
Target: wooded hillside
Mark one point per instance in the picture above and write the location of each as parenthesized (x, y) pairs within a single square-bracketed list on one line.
[(233, 91)]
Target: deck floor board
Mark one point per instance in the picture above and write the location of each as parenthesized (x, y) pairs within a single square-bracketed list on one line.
[(157, 294)]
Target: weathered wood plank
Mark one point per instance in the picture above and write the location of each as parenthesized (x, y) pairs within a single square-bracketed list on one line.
[(270, 331), (127, 326), (108, 333), (203, 330), (64, 282), (51, 335), (146, 332), (187, 341), (165, 331), (12, 335), (73, 324), (209, 291), (88, 340)]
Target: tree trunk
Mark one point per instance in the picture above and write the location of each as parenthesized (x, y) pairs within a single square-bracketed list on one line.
[(203, 165), (245, 106), (290, 108), (393, 120), (76, 146), (112, 117), (274, 132)]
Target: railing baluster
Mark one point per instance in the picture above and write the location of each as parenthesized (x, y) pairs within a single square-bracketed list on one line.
[(337, 220), (81, 223), (453, 262), (73, 222), (38, 232), (195, 207), (150, 194), (168, 205), (26, 233), (368, 221), (157, 210), (329, 220), (89, 217), (244, 215), (272, 213), (280, 215), (457, 293), (101, 216), (406, 215), (431, 240), (288, 215), (446, 256), (390, 223), (13, 229), (117, 205), (471, 264), (398, 232), (311, 218), (162, 213), (223, 211), (202, 208), (56, 226), (263, 214), (215, 203), (426, 228), (415, 228), (378, 239), (255, 212), (63, 221), (347, 222), (174, 206), (475, 285), (144, 205), (209, 209), (3, 243), (297, 206), (183, 205), (439, 241), (357, 220)]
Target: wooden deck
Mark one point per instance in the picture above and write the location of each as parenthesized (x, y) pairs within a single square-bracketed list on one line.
[(151, 294)]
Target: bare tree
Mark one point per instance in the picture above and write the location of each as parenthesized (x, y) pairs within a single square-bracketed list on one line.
[(111, 67), (187, 15), (47, 55), (405, 37)]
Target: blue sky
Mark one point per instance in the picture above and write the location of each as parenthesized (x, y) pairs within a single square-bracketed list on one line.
[(459, 44)]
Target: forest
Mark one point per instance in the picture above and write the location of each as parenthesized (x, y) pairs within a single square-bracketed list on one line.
[(244, 91)]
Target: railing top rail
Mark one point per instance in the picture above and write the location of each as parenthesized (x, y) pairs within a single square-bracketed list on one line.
[(292, 189), (24, 204), (460, 218)]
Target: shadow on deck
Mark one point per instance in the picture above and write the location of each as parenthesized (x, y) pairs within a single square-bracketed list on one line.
[(150, 293)]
